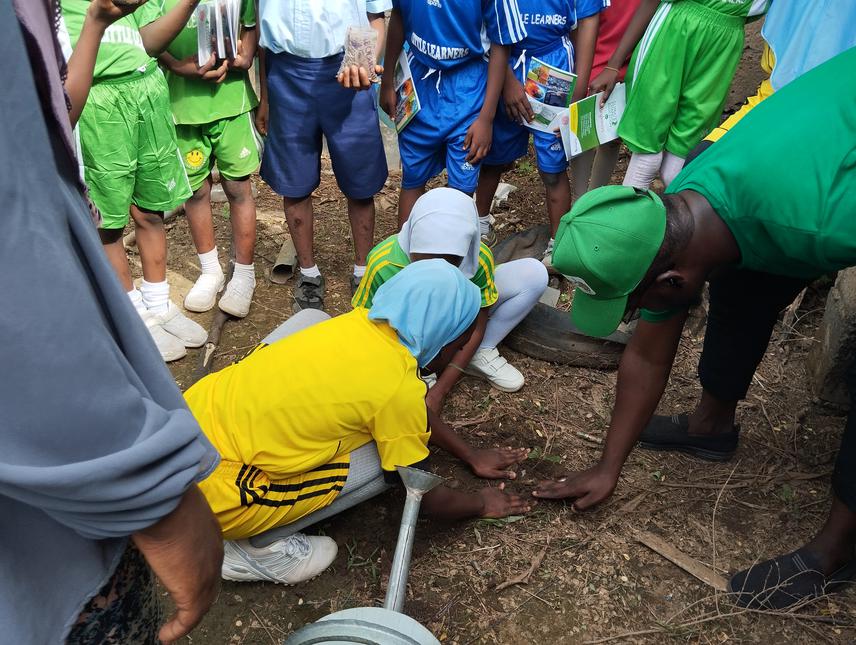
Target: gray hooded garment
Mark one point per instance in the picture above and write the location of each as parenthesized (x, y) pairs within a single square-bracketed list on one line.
[(96, 442)]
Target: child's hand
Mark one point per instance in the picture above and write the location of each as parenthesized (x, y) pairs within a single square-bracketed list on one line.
[(262, 118), (517, 106), (388, 98), (357, 78), (189, 68), (478, 140), (494, 463), (241, 61), (587, 488), (604, 82), (107, 12), (497, 503)]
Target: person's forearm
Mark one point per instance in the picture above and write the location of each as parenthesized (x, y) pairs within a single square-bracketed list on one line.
[(452, 374), (81, 65), (497, 68), (167, 61), (638, 25), (586, 35), (377, 21), (642, 377), (447, 504), (250, 42), (263, 94), (157, 35), (447, 439), (394, 45)]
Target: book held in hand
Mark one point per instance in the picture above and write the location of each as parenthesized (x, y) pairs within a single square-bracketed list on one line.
[(217, 29), (587, 124)]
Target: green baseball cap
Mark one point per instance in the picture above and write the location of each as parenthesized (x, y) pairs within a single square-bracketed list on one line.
[(605, 246)]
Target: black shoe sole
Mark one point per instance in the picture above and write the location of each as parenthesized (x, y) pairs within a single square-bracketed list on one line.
[(694, 451)]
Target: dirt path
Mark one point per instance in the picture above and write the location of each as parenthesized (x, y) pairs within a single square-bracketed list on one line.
[(595, 579)]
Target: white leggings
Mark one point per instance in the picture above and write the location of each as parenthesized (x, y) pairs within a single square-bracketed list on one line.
[(520, 284), (644, 167)]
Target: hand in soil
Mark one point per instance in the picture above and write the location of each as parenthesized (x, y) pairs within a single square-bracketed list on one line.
[(587, 487), (497, 503), (494, 463)]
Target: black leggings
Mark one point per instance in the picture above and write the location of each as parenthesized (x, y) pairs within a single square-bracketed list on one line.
[(744, 307)]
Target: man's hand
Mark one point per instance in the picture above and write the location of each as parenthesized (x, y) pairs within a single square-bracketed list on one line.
[(107, 12), (494, 463), (478, 139), (497, 503), (588, 487), (185, 551), (604, 82), (358, 78), (242, 61), (262, 112), (517, 105), (388, 98)]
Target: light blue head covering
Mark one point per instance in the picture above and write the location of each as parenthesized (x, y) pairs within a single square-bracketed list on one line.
[(429, 304)]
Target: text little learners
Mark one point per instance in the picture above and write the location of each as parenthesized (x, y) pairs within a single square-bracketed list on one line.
[(586, 124), (549, 90), (407, 100)]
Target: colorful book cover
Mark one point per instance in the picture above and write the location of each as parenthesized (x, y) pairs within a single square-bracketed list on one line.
[(407, 104), (549, 90), (587, 124)]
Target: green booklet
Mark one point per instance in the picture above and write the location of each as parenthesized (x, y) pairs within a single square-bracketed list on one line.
[(588, 124)]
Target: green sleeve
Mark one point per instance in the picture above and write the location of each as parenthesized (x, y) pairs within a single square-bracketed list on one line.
[(248, 15), (148, 13), (658, 316)]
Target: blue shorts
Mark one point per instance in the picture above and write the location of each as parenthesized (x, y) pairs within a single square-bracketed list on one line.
[(450, 102), (305, 102), (511, 139)]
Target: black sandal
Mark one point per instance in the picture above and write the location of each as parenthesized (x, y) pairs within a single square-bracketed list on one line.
[(671, 434), (787, 580)]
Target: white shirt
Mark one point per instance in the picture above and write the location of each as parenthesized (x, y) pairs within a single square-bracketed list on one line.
[(312, 28)]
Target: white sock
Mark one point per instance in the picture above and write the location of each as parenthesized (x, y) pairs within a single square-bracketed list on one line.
[(245, 272), (137, 300), (155, 296), (642, 169), (672, 165), (311, 272), (210, 262), (484, 225), (359, 270)]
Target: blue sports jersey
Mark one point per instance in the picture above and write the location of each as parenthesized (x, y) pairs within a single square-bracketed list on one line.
[(446, 33), (546, 21)]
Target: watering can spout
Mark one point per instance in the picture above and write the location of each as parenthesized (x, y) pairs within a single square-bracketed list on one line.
[(417, 482)]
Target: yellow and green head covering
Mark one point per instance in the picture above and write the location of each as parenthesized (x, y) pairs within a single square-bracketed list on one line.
[(605, 246)]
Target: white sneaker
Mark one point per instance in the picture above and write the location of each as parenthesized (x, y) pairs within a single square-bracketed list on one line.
[(488, 364), (170, 348), (190, 333), (288, 561), (203, 295), (238, 297)]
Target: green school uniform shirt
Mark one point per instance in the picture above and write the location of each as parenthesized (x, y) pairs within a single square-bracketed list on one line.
[(738, 8), (122, 51), (388, 258), (784, 179), (195, 101)]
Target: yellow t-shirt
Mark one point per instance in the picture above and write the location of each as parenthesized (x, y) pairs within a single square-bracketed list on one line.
[(286, 417)]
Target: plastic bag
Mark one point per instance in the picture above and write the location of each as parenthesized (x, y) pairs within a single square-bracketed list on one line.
[(360, 50)]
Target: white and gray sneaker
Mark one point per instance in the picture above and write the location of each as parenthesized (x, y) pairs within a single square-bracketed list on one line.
[(190, 333), (203, 295), (170, 348), (287, 561), (488, 364), (238, 297)]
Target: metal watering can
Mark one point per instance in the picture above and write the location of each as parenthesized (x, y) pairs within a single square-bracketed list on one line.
[(387, 625)]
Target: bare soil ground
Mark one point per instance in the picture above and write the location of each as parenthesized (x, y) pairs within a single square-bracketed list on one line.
[(591, 580)]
